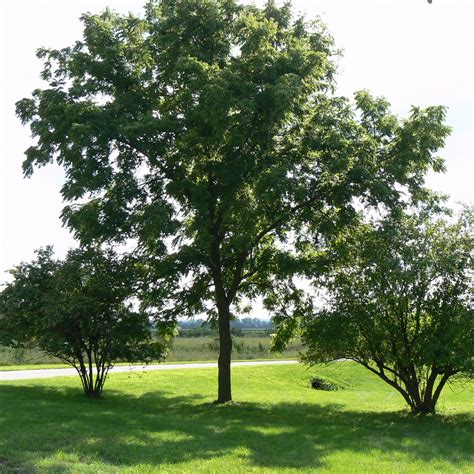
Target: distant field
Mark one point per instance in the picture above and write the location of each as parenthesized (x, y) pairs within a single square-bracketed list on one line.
[(165, 422), (182, 349), (206, 348)]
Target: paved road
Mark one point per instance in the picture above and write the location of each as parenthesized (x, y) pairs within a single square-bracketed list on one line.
[(48, 373)]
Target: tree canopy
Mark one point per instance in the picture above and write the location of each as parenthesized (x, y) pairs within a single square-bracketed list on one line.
[(207, 134)]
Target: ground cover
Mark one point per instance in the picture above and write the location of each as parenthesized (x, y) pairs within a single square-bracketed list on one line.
[(166, 422)]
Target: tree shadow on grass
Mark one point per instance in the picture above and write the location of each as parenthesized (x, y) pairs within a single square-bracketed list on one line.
[(158, 428)]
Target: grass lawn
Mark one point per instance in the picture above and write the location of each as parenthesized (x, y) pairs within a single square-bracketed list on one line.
[(166, 422)]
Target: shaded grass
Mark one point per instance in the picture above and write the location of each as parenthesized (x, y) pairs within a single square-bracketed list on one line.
[(166, 422)]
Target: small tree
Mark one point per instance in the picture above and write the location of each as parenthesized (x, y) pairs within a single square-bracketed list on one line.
[(77, 310), (399, 302)]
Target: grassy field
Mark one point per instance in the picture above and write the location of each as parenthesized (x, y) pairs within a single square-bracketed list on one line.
[(206, 348), (166, 422), (182, 349)]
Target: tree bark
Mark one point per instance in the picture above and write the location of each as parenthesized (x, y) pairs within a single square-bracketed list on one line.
[(223, 301), (225, 354), (427, 405)]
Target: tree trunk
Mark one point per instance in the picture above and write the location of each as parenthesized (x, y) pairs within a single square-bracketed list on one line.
[(92, 390), (225, 350), (92, 393), (223, 302), (428, 404), (424, 408)]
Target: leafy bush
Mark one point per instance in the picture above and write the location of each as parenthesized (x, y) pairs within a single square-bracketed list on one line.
[(398, 300), (77, 310)]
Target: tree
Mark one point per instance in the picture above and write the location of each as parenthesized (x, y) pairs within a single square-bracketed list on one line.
[(400, 303), (77, 310), (205, 134)]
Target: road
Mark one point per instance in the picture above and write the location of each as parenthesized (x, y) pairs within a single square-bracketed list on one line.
[(48, 373)]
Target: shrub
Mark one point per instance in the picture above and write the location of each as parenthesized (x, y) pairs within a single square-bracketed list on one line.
[(78, 310)]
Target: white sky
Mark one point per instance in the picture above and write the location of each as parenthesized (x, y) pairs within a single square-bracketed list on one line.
[(407, 50)]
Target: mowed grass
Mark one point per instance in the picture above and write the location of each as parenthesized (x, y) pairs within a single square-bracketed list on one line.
[(166, 422)]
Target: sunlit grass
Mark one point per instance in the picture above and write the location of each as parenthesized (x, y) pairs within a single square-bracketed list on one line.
[(166, 422)]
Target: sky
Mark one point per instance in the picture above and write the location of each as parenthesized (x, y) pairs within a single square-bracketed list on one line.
[(409, 51)]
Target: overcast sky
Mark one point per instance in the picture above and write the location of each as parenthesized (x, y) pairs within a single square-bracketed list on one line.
[(407, 50)]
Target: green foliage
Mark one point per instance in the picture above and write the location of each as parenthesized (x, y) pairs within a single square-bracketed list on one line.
[(399, 302), (206, 133), (77, 310)]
